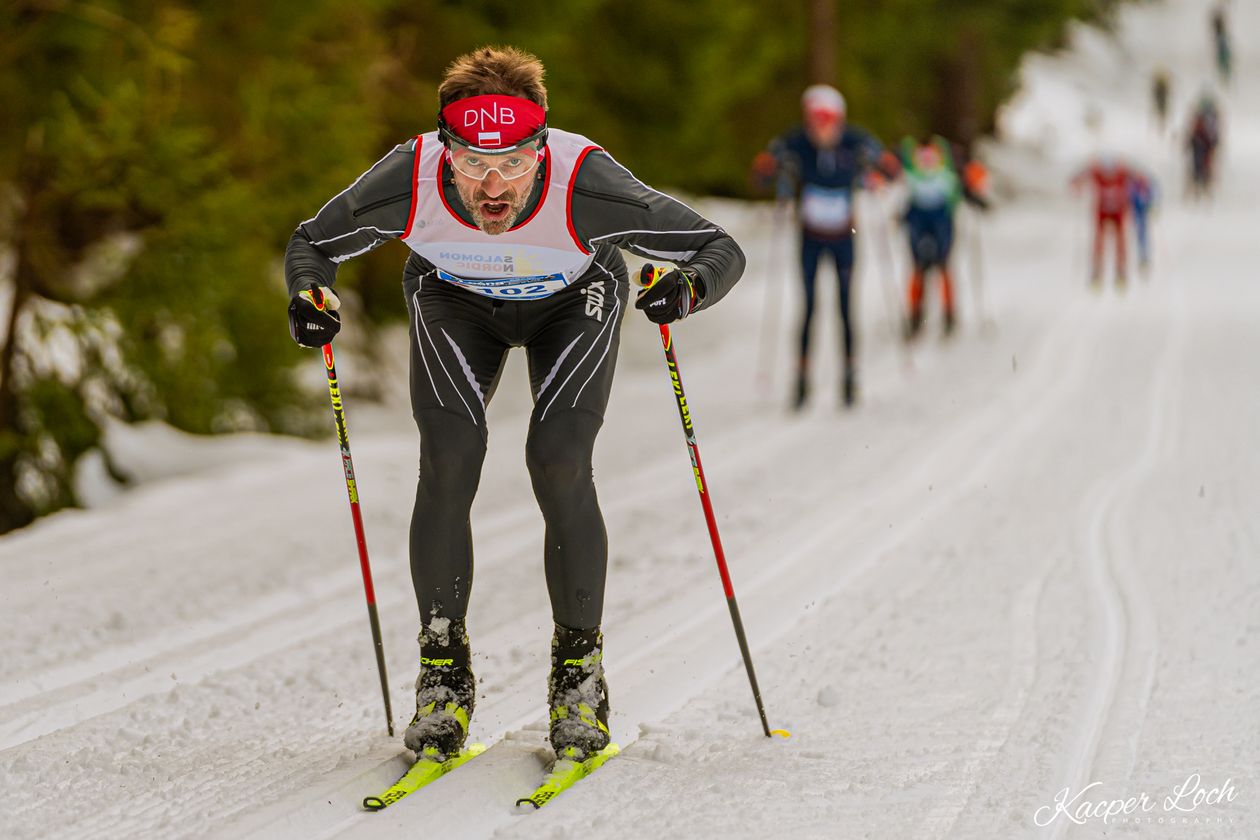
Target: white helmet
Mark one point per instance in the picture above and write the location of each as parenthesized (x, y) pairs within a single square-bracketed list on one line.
[(822, 98)]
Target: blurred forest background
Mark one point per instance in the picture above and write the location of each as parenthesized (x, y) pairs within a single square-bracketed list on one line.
[(155, 156)]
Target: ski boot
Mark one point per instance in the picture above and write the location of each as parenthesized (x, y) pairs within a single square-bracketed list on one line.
[(848, 385), (577, 693), (445, 691), (914, 323), (949, 323), (801, 394), (914, 317)]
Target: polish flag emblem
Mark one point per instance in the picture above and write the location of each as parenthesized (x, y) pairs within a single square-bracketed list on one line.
[(489, 138)]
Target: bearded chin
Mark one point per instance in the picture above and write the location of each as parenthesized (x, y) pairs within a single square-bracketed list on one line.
[(472, 202), (497, 226)]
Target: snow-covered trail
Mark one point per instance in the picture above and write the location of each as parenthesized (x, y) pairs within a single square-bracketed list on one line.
[(1030, 561)]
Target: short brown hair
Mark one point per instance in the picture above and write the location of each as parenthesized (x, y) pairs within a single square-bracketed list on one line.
[(502, 70)]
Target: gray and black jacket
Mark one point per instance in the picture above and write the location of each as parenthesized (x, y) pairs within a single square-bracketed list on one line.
[(611, 209)]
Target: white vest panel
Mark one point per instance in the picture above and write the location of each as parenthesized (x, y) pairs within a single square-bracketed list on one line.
[(534, 259)]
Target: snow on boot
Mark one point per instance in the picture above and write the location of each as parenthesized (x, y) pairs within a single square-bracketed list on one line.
[(445, 691), (577, 693)]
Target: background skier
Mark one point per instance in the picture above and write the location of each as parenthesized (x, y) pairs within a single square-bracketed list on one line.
[(1142, 196), (1161, 89), (825, 159), (1110, 182), (1220, 43), (1202, 140), (934, 188)]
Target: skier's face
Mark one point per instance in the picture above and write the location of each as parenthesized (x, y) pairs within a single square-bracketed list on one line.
[(493, 202), (927, 158), (824, 126)]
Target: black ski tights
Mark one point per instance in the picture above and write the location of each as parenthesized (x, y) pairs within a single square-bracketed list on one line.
[(558, 454), (451, 453)]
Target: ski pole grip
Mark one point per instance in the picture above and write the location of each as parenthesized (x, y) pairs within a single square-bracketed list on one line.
[(649, 274), (322, 298), (315, 295)]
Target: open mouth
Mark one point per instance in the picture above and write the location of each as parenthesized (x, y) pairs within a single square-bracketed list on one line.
[(495, 209)]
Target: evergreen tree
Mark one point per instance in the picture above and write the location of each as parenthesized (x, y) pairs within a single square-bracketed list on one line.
[(156, 155), (150, 168)]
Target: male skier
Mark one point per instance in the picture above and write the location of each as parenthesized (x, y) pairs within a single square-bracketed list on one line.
[(514, 229), (1111, 182), (826, 159), (934, 189), (1142, 197), (1203, 138)]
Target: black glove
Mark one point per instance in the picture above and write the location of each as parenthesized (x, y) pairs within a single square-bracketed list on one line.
[(672, 298), (313, 318)]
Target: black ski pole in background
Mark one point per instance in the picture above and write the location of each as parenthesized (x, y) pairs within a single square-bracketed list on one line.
[(976, 263), (780, 215), (352, 490), (648, 275), (897, 316)]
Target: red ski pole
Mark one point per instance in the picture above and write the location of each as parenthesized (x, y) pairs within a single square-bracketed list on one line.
[(352, 489), (647, 277)]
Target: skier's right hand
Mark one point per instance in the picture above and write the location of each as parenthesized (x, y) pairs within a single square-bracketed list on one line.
[(761, 175), (313, 318), (668, 296)]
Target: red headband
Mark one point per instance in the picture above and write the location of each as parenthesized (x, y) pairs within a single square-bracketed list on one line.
[(823, 116), (493, 121)]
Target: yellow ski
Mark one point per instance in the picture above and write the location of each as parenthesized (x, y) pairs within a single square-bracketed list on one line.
[(424, 771), (565, 773)]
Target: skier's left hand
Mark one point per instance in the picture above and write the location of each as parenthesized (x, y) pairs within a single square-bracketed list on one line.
[(672, 298), (313, 318)]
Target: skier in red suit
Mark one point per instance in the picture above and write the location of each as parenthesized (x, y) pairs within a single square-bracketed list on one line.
[(1112, 183)]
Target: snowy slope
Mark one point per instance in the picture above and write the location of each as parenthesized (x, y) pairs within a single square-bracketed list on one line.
[(1030, 561)]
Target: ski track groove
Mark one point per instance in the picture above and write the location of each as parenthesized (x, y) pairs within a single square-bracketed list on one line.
[(1127, 627), (1024, 613)]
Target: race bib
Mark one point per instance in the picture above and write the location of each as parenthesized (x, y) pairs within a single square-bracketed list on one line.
[(509, 288), (826, 209), (930, 192)]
